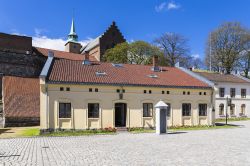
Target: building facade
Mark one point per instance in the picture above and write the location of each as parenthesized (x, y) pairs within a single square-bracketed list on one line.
[(100, 95), (229, 87)]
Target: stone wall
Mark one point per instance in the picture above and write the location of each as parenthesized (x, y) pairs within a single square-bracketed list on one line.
[(21, 64)]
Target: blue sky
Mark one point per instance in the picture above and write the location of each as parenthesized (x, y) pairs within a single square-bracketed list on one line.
[(49, 21)]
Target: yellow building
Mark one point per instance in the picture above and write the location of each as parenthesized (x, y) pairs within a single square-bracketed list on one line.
[(87, 95)]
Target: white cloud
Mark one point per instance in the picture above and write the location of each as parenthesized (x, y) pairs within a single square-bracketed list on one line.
[(173, 5), (195, 56), (167, 6)]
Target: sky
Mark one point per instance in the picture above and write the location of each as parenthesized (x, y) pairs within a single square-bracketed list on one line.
[(48, 22)]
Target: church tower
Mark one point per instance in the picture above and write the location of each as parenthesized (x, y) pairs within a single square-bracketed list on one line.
[(72, 44)]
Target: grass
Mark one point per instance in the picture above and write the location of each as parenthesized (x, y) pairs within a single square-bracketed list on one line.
[(231, 119), (183, 128), (30, 132), (78, 133), (140, 130)]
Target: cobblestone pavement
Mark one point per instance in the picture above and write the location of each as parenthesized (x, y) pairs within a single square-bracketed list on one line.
[(206, 147)]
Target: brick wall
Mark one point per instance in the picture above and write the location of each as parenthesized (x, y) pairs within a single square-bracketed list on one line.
[(110, 38)]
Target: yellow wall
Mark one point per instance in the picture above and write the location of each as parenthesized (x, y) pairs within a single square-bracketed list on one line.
[(79, 97)]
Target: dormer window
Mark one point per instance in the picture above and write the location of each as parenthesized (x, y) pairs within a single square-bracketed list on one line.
[(153, 76), (100, 73)]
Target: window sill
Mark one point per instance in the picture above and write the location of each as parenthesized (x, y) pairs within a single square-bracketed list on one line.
[(93, 118), (186, 116), (65, 118), (147, 117), (203, 116)]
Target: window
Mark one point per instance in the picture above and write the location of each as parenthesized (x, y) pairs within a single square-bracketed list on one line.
[(123, 91), (162, 92), (90, 89), (93, 110), (222, 92), (243, 93), (168, 92), (205, 93), (145, 91), (118, 90), (61, 89), (68, 89), (186, 109), (184, 92), (64, 110), (232, 109), (150, 91), (232, 92), (200, 93), (202, 109), (147, 109), (96, 89), (168, 110), (221, 109), (188, 93), (243, 109)]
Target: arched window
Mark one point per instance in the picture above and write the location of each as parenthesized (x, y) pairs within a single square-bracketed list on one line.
[(221, 109), (243, 109), (232, 109)]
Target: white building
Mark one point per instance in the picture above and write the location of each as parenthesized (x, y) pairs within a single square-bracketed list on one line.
[(229, 86)]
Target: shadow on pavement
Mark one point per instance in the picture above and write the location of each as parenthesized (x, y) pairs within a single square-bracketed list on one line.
[(223, 124)]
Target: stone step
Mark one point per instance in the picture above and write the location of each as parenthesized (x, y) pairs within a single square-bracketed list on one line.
[(121, 129)]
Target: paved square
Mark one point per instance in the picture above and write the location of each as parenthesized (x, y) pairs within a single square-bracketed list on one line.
[(206, 147)]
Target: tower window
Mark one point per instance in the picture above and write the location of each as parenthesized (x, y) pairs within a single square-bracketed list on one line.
[(68, 89), (96, 89), (168, 92), (145, 91), (90, 89), (150, 91), (61, 89), (162, 92)]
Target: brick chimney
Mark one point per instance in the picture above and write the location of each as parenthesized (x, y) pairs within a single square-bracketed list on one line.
[(155, 63), (155, 60), (86, 58)]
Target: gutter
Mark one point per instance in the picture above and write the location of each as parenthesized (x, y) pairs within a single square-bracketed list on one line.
[(43, 83)]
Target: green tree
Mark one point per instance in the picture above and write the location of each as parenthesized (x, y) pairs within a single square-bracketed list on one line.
[(140, 52), (118, 54)]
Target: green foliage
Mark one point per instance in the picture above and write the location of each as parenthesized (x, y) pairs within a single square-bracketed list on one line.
[(138, 52), (118, 54), (81, 132), (232, 119), (140, 130)]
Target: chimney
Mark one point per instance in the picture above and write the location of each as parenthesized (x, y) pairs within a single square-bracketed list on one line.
[(86, 55), (155, 64), (155, 61), (86, 58)]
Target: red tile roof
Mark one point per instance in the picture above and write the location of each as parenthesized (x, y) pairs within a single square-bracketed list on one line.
[(69, 71), (217, 77), (63, 54), (21, 97)]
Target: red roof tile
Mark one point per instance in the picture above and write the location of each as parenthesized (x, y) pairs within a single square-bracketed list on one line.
[(217, 77), (63, 54), (21, 97), (70, 71)]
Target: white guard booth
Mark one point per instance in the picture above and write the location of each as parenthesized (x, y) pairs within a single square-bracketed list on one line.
[(161, 117)]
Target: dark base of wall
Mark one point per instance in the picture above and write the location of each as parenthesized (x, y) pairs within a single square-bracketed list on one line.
[(21, 122)]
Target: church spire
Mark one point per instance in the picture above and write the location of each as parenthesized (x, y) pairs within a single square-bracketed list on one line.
[(72, 36)]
